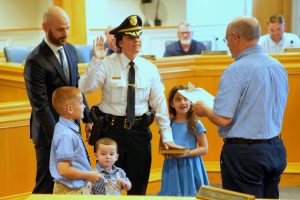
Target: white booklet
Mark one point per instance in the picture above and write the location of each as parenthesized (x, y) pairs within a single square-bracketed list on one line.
[(198, 94)]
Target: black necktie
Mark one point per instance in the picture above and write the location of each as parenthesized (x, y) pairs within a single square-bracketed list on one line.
[(63, 62), (131, 94)]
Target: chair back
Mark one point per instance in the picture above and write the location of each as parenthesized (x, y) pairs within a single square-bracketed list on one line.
[(84, 53), (208, 44), (168, 42), (16, 54)]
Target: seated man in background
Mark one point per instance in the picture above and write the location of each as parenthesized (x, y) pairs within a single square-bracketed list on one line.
[(110, 42), (277, 40), (185, 44)]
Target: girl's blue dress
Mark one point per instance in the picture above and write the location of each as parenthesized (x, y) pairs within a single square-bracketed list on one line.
[(183, 176)]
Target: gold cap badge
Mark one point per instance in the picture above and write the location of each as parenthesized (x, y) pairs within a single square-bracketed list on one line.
[(133, 20)]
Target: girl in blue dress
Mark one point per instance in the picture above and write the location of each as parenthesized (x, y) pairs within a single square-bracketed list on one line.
[(184, 174)]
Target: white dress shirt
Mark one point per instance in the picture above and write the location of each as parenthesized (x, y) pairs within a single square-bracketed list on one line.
[(55, 50), (56, 53), (289, 40), (111, 75)]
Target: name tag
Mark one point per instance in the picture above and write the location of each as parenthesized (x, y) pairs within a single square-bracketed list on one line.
[(116, 78)]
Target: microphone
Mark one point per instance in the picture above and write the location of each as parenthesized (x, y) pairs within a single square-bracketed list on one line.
[(157, 22), (216, 43)]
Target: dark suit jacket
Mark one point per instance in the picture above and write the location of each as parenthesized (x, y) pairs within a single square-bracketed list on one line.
[(43, 74)]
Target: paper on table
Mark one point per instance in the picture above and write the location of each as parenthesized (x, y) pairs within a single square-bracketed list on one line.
[(198, 94)]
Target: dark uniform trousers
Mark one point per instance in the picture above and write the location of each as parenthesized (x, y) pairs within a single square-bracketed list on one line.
[(253, 168), (134, 148)]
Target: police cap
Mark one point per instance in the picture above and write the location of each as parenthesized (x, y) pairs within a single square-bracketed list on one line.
[(131, 26)]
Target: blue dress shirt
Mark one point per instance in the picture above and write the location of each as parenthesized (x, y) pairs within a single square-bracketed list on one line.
[(253, 92)]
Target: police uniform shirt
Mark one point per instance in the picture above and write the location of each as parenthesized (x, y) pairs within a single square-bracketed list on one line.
[(289, 40), (111, 75)]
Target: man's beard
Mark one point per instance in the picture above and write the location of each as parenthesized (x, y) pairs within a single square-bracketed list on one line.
[(276, 39), (186, 41), (56, 41)]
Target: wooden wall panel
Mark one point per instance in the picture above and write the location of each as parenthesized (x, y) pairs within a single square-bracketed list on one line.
[(17, 168), (263, 9), (12, 87), (2, 56), (76, 12)]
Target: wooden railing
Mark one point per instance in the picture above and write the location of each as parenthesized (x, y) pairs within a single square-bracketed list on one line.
[(2, 56)]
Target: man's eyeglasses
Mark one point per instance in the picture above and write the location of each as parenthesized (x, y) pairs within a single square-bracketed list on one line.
[(226, 37), (185, 32)]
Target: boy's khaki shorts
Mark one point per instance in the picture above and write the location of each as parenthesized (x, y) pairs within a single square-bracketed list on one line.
[(62, 189)]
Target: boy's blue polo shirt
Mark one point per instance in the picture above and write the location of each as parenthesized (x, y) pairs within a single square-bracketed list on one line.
[(67, 145)]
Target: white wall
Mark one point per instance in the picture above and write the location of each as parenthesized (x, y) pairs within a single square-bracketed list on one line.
[(104, 13), (21, 14), (172, 12), (210, 18)]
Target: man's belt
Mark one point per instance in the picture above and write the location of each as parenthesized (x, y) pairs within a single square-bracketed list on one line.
[(249, 141)]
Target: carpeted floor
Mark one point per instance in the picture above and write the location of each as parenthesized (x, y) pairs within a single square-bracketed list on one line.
[(289, 192), (285, 192)]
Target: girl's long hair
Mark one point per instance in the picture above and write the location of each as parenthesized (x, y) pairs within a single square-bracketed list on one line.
[(190, 117)]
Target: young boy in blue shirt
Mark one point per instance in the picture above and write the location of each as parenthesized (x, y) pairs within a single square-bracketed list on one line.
[(69, 163)]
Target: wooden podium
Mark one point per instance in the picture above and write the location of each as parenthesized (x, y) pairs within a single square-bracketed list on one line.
[(212, 193)]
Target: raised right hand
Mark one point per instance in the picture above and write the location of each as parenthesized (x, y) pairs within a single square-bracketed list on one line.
[(98, 48)]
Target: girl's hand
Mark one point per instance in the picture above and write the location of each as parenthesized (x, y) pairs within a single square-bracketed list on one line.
[(168, 145), (168, 156), (182, 155)]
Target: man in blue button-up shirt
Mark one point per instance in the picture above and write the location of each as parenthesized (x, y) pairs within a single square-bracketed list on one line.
[(249, 109)]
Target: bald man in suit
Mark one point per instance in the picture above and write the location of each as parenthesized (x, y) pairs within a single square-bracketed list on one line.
[(52, 64)]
